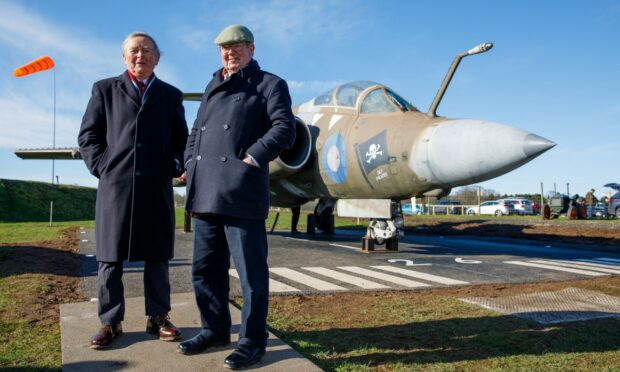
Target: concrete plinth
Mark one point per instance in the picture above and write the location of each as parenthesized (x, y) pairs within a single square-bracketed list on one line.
[(136, 350)]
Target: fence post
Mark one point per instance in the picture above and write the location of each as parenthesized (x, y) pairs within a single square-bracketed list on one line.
[(51, 212)]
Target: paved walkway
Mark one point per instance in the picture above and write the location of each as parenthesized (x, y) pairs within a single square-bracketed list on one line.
[(137, 351)]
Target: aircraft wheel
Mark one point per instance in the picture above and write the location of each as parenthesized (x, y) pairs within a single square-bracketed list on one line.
[(380, 224), (546, 212)]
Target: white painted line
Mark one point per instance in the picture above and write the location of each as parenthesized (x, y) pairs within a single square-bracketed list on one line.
[(82, 232), (304, 279), (578, 266), (94, 299), (90, 255), (596, 263), (298, 239), (607, 262), (388, 278), (346, 246), (590, 266), (274, 285), (608, 259), (357, 281), (84, 240), (566, 269), (420, 275)]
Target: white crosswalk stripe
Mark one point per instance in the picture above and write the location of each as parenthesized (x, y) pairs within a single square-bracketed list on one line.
[(608, 259), (304, 279), (556, 268), (580, 265), (421, 275), (598, 263), (274, 285), (385, 277), (346, 278)]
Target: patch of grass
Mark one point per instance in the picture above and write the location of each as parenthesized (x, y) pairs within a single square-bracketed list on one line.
[(395, 331), (29, 346), (25, 342), (21, 232)]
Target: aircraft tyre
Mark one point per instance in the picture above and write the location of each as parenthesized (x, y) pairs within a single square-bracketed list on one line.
[(324, 221), (377, 224)]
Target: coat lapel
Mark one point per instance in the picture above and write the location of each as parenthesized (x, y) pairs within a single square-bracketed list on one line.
[(124, 84), (154, 93), (218, 81)]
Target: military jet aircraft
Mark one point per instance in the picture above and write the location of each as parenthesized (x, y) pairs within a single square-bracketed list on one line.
[(365, 146)]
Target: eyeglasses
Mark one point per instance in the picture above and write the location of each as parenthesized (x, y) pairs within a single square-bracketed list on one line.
[(238, 47), (135, 51)]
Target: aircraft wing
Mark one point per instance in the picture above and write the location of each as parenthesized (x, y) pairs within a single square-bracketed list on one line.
[(192, 97), (67, 153)]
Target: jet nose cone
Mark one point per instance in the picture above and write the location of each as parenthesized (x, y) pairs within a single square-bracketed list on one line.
[(461, 152), (534, 145)]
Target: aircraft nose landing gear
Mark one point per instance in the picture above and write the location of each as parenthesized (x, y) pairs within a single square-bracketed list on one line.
[(384, 231)]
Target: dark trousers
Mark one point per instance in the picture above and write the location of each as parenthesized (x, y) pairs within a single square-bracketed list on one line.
[(295, 217), (216, 238), (111, 305)]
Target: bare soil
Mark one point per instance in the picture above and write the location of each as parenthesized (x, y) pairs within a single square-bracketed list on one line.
[(55, 264), (591, 232)]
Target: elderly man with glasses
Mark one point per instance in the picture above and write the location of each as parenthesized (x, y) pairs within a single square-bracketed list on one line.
[(244, 122)]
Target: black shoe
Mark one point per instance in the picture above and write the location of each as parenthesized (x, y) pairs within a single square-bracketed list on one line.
[(244, 356), (201, 342), (295, 232)]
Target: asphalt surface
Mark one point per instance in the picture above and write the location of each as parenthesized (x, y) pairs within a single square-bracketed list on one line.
[(320, 264)]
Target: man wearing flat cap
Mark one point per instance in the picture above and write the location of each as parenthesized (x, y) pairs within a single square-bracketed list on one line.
[(244, 121)]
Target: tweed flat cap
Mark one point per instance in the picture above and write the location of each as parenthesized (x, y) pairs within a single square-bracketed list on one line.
[(234, 34)]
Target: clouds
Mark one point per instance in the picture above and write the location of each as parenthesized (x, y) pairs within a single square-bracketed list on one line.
[(279, 23)]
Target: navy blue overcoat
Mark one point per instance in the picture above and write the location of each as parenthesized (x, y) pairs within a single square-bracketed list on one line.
[(250, 112), (132, 147)]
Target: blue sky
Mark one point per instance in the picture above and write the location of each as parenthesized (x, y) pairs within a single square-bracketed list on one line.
[(553, 70)]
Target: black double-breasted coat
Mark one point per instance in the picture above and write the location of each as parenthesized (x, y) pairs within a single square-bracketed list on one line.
[(249, 112), (131, 146)]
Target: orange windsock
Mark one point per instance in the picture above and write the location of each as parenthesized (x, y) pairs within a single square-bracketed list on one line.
[(39, 64)]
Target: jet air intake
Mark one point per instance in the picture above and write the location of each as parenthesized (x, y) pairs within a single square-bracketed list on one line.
[(294, 158)]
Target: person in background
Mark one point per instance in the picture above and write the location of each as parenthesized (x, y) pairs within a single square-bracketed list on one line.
[(244, 122), (591, 201), (132, 138), (295, 219)]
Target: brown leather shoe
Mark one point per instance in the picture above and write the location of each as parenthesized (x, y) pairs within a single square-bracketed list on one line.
[(106, 334), (162, 326)]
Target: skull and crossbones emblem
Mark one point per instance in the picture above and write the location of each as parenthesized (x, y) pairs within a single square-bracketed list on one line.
[(373, 151)]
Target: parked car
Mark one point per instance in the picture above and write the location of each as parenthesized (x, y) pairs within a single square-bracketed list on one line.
[(521, 206), (613, 206), (446, 207), (493, 207), (407, 209), (600, 210)]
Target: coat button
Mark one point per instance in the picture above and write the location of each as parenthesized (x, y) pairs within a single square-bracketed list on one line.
[(198, 157), (138, 173), (223, 158), (203, 128), (226, 127)]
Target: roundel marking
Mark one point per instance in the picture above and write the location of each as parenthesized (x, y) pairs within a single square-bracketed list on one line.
[(334, 158)]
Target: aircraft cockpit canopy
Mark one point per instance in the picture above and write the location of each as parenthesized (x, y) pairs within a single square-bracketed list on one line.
[(377, 98)]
